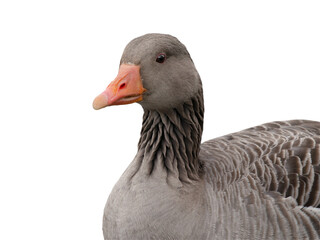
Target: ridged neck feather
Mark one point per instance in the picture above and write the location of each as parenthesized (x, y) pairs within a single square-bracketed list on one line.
[(170, 140)]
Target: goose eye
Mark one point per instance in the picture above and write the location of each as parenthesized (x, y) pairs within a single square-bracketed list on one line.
[(161, 58)]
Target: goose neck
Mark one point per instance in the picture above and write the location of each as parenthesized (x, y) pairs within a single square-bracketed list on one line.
[(170, 140)]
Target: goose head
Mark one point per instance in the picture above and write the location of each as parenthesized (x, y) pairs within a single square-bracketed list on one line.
[(156, 71)]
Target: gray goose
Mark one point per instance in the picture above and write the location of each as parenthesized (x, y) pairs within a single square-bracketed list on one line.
[(259, 183)]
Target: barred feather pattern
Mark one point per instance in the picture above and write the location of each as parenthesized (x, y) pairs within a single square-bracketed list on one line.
[(263, 182)]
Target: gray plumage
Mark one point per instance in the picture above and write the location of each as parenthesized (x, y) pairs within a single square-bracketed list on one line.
[(260, 183)]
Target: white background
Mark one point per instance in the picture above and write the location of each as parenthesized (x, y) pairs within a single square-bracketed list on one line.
[(259, 62)]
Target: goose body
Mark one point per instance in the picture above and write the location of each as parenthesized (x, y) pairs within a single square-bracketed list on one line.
[(260, 183)]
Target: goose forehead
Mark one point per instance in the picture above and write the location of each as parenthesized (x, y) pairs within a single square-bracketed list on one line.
[(151, 44)]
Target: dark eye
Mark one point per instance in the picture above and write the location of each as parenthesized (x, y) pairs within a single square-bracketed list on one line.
[(161, 58)]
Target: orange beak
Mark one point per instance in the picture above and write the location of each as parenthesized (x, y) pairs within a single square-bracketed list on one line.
[(125, 89)]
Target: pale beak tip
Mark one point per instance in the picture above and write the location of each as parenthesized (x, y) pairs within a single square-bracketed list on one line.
[(100, 101), (95, 107)]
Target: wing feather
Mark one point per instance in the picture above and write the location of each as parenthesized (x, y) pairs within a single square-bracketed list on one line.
[(283, 156)]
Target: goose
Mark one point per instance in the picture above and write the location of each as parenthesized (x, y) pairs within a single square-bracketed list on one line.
[(259, 183)]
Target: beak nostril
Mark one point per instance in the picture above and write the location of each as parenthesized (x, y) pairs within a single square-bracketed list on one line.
[(122, 86)]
